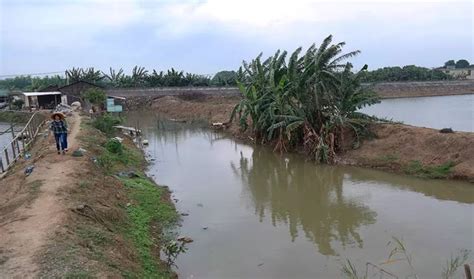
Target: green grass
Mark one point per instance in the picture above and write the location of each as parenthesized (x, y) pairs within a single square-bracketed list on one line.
[(106, 122), (148, 207), (433, 171), (113, 162), (93, 235)]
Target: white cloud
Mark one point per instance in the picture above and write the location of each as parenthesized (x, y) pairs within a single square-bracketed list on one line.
[(80, 27)]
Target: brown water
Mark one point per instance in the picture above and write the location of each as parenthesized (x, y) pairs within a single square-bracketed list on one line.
[(5, 140), (272, 216)]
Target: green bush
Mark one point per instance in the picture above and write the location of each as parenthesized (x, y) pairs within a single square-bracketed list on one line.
[(106, 123), (114, 146), (95, 96)]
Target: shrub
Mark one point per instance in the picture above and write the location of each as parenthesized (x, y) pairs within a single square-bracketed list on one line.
[(18, 104), (114, 146), (106, 162), (95, 96), (106, 123)]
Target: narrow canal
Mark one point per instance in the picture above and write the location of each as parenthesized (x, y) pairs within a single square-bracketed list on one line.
[(256, 214)]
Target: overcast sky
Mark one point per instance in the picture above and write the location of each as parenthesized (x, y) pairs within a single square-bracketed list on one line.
[(208, 36)]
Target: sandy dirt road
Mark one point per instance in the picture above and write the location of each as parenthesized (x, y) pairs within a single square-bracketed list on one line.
[(31, 207)]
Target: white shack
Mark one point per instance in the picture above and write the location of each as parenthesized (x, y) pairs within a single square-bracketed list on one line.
[(43, 100)]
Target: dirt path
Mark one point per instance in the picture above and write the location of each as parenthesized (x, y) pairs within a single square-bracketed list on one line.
[(32, 209)]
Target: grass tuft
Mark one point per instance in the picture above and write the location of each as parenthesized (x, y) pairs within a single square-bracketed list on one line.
[(437, 171)]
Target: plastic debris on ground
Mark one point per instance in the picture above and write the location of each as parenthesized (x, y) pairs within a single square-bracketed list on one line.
[(29, 170), (119, 139), (27, 155)]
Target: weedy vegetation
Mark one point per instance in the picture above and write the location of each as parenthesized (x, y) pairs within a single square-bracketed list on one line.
[(400, 254)]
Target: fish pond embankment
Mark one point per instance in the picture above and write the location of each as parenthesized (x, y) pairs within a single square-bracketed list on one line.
[(138, 97), (394, 147)]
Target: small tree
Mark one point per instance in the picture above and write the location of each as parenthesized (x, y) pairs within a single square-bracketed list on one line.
[(95, 97), (449, 63), (462, 63)]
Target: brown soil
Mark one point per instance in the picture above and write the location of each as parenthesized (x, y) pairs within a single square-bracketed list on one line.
[(31, 207), (210, 108), (394, 147)]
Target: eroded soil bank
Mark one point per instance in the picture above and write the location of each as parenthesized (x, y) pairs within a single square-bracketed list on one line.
[(395, 147), (73, 217)]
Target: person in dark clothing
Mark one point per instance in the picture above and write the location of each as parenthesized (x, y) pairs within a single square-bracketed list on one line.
[(59, 127)]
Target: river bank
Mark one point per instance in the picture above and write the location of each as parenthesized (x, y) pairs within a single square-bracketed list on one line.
[(74, 217), (397, 148)]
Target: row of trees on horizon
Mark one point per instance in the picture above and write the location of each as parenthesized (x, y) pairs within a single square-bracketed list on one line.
[(143, 78)]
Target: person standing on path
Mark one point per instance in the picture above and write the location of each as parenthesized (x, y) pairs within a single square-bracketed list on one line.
[(59, 127)]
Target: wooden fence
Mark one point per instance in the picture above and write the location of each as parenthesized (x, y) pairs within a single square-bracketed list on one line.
[(21, 142)]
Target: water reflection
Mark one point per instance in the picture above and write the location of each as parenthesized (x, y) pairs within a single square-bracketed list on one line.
[(297, 194), (462, 192)]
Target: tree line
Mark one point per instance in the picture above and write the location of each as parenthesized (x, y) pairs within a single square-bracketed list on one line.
[(139, 78), (460, 64), (406, 73)]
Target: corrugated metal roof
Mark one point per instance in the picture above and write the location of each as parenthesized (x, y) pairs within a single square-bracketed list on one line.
[(28, 94)]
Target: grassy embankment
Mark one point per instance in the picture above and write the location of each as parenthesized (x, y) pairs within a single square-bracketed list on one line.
[(119, 226)]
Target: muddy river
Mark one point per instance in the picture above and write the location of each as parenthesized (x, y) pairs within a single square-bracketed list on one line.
[(256, 214), (456, 112)]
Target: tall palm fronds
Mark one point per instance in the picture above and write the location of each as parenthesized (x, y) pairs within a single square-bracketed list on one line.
[(87, 74), (114, 77), (304, 100)]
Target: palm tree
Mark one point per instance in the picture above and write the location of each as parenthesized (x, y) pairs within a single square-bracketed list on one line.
[(115, 77), (139, 76)]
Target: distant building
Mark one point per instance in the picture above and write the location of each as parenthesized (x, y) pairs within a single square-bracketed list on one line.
[(74, 90), (459, 73), (42, 100)]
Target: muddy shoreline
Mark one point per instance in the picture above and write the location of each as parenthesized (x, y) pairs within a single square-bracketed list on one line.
[(396, 148)]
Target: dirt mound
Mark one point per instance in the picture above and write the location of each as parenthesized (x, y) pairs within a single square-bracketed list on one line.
[(400, 147), (212, 109)]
